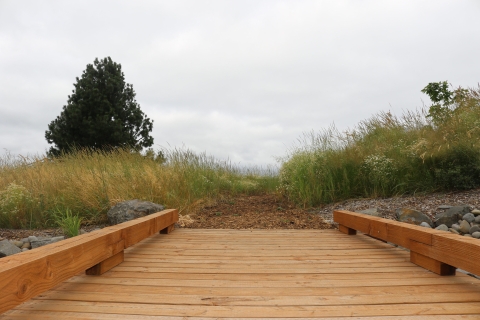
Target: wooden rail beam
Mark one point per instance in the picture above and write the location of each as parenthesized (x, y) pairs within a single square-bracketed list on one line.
[(438, 251), (27, 274)]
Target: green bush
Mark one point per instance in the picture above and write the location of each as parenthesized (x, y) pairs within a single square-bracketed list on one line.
[(459, 168)]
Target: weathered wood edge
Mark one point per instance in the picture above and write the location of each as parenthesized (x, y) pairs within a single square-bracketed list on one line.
[(30, 273), (448, 250)]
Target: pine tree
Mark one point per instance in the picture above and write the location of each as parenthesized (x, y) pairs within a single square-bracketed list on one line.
[(101, 113)]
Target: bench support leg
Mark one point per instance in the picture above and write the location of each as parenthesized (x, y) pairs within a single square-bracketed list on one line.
[(433, 265), (168, 229), (105, 265), (347, 230)]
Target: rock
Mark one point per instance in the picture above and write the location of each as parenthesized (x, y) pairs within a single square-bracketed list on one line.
[(25, 240), (464, 226), (1, 239), (442, 227), (32, 238), (477, 219), (455, 226), (451, 216), (444, 207), (412, 216), (474, 229), (26, 245), (25, 249), (453, 231), (476, 212), (132, 209), (82, 231), (7, 248), (371, 212), (44, 241), (469, 217), (426, 225), (17, 243), (467, 235), (476, 235)]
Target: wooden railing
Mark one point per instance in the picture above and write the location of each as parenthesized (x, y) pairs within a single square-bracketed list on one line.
[(438, 251), (27, 274)]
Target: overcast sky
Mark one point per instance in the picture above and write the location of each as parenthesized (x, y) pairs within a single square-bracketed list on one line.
[(238, 79)]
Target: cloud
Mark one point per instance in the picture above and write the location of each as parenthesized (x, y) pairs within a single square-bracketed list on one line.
[(238, 79)]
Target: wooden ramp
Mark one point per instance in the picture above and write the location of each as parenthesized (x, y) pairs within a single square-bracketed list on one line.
[(205, 274)]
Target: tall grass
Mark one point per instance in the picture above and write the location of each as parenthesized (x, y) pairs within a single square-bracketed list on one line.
[(387, 155), (89, 182)]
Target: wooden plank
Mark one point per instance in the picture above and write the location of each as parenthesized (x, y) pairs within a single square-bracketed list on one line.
[(27, 274), (232, 283), (388, 230), (253, 311), (270, 300), (48, 315), (105, 265)]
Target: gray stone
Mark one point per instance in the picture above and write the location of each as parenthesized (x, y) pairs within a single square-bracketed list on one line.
[(82, 231), (464, 226), (475, 211), (17, 243), (442, 227), (132, 209), (371, 212), (477, 219), (469, 217), (444, 207), (453, 231), (412, 216), (44, 241), (32, 238), (7, 248), (467, 235), (476, 235), (25, 249), (426, 225), (474, 229), (25, 240), (26, 245), (455, 226), (451, 216)]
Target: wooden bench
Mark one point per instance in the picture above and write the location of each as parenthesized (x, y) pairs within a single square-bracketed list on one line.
[(27, 274), (438, 251)]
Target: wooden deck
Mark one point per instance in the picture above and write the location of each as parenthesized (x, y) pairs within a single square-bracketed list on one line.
[(203, 274)]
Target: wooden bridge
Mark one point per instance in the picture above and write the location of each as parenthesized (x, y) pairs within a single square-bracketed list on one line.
[(143, 270)]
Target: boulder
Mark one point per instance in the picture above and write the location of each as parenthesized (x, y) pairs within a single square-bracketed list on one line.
[(451, 216), (469, 217), (476, 235), (132, 209), (474, 229), (371, 212), (412, 216), (464, 226), (44, 241), (442, 227), (7, 248)]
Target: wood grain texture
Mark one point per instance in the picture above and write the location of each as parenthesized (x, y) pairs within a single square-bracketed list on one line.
[(30, 273), (448, 250), (245, 275)]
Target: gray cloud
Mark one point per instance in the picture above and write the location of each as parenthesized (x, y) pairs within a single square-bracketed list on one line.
[(238, 79)]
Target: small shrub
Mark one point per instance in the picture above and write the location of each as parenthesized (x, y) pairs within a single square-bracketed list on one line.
[(14, 201), (69, 223), (459, 168)]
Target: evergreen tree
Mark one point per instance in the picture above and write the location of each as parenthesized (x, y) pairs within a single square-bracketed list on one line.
[(101, 113)]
